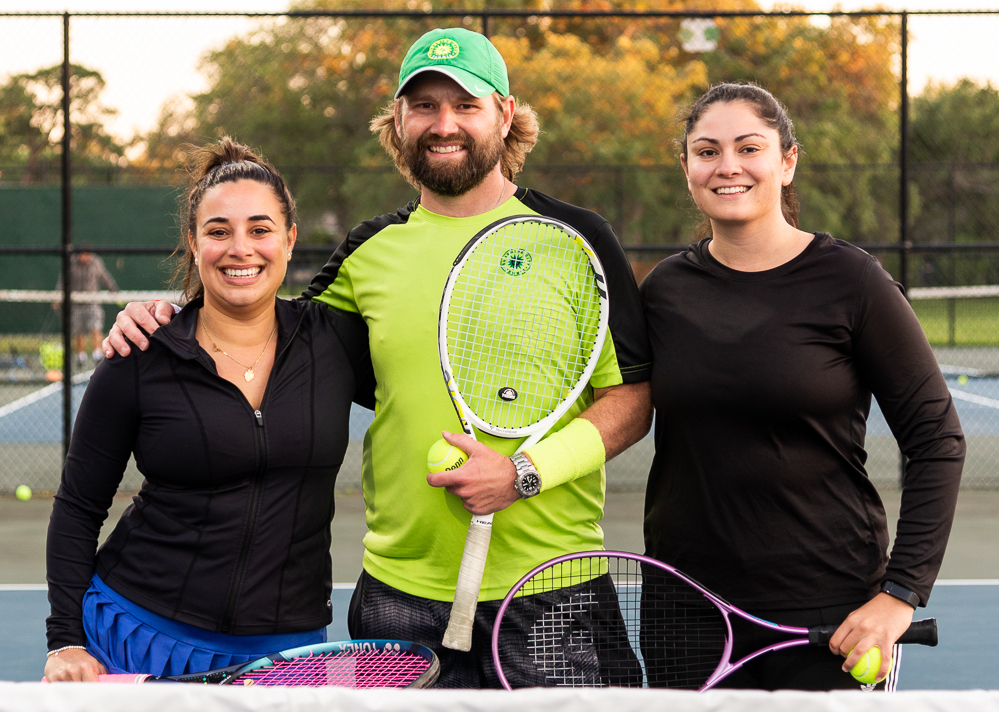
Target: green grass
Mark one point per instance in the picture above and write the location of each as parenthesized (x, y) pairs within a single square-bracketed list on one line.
[(959, 322)]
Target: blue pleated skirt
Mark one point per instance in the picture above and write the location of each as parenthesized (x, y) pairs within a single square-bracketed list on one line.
[(127, 638)]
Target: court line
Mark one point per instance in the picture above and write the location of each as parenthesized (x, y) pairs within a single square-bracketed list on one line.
[(972, 398), (45, 586), (40, 394)]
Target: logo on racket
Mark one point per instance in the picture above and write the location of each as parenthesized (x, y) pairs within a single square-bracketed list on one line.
[(508, 394), (515, 262)]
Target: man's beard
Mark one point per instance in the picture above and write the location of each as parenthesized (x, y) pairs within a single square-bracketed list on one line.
[(452, 178)]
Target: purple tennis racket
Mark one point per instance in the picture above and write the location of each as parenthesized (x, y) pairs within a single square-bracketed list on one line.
[(609, 618), (352, 663)]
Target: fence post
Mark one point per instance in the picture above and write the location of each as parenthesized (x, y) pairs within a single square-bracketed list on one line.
[(67, 223), (903, 197)]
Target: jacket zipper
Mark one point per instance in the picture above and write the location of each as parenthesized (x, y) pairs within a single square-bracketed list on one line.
[(258, 479)]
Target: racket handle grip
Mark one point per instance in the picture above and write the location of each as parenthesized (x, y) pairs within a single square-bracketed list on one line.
[(458, 635), (124, 679), (921, 632)]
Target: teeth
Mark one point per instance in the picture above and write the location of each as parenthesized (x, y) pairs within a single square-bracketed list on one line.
[(444, 149), (729, 191), (247, 272)]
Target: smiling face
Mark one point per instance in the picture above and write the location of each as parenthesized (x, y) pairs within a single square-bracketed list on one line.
[(242, 245), (451, 140), (735, 167)]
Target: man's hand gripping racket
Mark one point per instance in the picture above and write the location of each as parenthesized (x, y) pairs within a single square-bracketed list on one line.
[(522, 322)]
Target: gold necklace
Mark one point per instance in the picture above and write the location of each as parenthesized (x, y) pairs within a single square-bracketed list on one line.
[(249, 374)]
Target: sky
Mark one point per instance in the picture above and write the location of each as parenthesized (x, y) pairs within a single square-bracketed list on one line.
[(147, 61)]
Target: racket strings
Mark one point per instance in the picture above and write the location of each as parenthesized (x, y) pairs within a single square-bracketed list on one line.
[(342, 669), (523, 314), (598, 622)]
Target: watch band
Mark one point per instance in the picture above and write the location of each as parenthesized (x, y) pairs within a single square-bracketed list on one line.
[(900, 592), (528, 481)]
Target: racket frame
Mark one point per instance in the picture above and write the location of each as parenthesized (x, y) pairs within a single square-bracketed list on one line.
[(923, 631), (458, 635)]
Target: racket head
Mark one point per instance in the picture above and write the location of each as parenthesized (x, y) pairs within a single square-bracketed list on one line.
[(358, 664), (522, 322), (609, 618)]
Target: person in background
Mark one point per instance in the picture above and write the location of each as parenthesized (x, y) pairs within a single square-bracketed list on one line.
[(87, 274), (768, 344), (237, 415)]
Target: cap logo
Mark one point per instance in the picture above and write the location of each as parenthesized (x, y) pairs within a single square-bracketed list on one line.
[(443, 49)]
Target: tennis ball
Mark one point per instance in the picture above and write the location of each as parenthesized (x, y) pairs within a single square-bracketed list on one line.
[(962, 379), (444, 456), (23, 493), (866, 669)]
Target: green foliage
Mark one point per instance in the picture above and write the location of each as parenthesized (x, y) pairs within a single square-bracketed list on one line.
[(953, 165), (31, 122)]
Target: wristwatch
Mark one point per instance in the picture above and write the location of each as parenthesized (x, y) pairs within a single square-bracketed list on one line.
[(528, 481), (900, 592)]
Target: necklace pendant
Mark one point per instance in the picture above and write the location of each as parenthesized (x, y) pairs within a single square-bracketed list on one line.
[(248, 376)]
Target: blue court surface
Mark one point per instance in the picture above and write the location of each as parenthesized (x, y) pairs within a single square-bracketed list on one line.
[(967, 613)]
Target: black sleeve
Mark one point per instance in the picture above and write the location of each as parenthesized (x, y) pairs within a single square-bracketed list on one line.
[(353, 333), (896, 362), (626, 323), (103, 438)]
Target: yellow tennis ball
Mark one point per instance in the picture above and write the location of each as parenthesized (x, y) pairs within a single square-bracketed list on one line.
[(444, 456), (962, 379), (866, 669), (23, 493)]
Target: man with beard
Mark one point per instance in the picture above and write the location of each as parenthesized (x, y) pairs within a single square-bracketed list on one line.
[(456, 133)]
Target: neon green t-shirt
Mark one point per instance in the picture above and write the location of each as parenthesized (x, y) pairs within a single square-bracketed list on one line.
[(394, 277)]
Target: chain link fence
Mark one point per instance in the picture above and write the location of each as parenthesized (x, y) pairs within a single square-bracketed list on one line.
[(607, 87)]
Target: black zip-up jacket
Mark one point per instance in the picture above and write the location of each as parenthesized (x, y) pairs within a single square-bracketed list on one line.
[(230, 530)]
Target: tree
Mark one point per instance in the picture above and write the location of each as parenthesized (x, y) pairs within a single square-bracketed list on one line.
[(31, 121), (954, 154), (607, 92)]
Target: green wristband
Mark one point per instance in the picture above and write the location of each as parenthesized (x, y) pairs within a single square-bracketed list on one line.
[(574, 451)]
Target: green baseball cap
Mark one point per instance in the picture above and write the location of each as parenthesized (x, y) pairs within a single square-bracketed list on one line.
[(467, 57)]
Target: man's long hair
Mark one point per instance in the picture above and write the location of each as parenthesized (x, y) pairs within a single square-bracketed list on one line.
[(517, 144)]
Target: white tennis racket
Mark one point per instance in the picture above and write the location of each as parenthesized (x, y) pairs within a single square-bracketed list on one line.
[(522, 322)]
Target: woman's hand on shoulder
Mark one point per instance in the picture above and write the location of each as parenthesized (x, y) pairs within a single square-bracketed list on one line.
[(879, 622), (73, 665)]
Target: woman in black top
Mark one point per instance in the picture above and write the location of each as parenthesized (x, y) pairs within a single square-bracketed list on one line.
[(237, 416), (769, 342)]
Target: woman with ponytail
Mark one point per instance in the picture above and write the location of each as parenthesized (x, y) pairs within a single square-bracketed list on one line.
[(768, 344), (237, 417)]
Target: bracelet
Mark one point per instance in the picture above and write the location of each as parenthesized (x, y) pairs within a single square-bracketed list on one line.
[(52, 653), (574, 451)]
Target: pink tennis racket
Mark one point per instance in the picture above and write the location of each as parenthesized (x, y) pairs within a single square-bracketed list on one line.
[(352, 663)]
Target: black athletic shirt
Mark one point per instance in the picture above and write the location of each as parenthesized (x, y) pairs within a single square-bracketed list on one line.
[(762, 385), (230, 530)]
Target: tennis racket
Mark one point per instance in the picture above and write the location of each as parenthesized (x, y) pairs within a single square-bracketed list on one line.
[(351, 663), (522, 321), (608, 618)]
